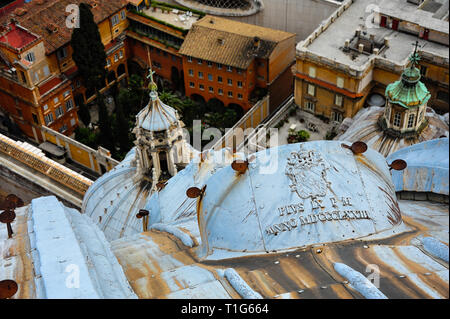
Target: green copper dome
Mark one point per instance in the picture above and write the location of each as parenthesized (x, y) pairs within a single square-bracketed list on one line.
[(408, 91)]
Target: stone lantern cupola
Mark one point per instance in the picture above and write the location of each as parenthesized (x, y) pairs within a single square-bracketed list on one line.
[(159, 140), (406, 102)]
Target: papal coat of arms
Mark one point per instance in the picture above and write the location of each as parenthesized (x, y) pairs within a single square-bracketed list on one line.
[(308, 172)]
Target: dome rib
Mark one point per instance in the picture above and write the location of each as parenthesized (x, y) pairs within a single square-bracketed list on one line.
[(157, 116)]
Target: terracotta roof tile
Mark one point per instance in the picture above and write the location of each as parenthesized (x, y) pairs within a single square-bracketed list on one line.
[(40, 14), (229, 42)]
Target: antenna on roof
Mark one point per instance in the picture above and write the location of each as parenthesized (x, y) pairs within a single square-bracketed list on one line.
[(415, 58)]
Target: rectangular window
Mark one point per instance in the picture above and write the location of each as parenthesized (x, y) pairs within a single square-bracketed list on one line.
[(45, 107), (72, 122), (69, 104), (191, 72), (62, 53), (56, 100), (239, 96), (229, 68), (48, 118), (115, 20), (230, 82), (200, 74), (339, 82), (239, 71), (230, 94), (219, 79), (46, 70), (123, 15), (337, 117), (30, 57), (120, 54), (210, 89), (312, 71), (67, 93), (219, 66), (220, 91), (411, 120), (59, 111), (191, 84), (116, 57), (338, 99), (63, 128), (189, 58), (423, 71), (397, 119), (23, 77), (210, 77), (442, 95), (383, 21), (309, 105), (239, 84), (35, 118), (201, 86), (209, 63), (199, 61), (311, 89), (108, 63)]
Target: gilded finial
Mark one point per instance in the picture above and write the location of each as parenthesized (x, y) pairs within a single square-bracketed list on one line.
[(152, 85)]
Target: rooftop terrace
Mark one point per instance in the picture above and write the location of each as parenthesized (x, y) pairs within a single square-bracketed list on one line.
[(329, 39)]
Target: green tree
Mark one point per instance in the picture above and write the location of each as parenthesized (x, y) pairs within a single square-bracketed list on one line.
[(302, 136), (104, 122), (88, 50), (86, 136), (172, 100), (83, 113), (122, 130)]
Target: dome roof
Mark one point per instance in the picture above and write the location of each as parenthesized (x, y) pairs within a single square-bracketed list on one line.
[(364, 127), (171, 203), (403, 93), (409, 91), (115, 198), (427, 169), (156, 116), (310, 193)]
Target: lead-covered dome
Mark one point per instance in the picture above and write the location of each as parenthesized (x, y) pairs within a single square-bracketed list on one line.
[(157, 116), (310, 193)]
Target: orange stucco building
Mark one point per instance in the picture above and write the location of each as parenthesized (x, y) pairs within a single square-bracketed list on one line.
[(236, 63), (39, 85)]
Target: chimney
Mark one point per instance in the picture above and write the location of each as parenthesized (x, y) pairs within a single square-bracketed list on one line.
[(358, 33), (376, 51), (372, 37), (347, 43), (256, 43), (360, 48), (386, 42)]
